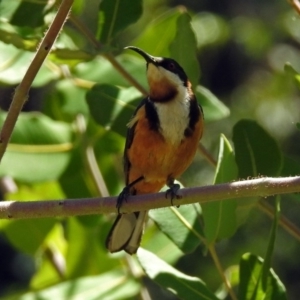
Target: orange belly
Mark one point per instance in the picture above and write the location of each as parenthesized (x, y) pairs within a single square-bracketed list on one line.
[(157, 160)]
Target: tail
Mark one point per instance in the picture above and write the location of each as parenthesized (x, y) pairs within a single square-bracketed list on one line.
[(126, 232)]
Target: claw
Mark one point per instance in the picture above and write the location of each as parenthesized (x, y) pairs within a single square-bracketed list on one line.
[(126, 193), (172, 192), (123, 197)]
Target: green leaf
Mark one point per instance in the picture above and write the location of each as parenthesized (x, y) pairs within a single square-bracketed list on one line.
[(115, 285), (220, 216), (183, 286), (27, 235), (36, 11), (159, 34), (112, 106), (8, 35), (14, 63), (268, 257), (213, 108), (251, 281), (46, 273), (181, 225), (102, 68), (257, 153), (39, 150), (155, 241), (298, 125), (116, 15), (68, 99), (74, 182), (183, 48)]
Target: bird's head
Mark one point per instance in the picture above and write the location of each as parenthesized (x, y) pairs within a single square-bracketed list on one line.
[(165, 76)]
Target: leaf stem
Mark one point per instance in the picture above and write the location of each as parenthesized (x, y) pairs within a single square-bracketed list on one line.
[(22, 90), (91, 38), (218, 265), (290, 227)]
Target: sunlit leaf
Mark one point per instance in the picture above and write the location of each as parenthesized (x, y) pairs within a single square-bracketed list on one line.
[(250, 286), (155, 241), (14, 64), (220, 216), (100, 70), (27, 235), (39, 149), (54, 250), (183, 43), (86, 255), (181, 225), (165, 26), (115, 285), (180, 284)]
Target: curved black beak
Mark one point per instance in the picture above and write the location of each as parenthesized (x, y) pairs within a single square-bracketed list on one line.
[(149, 58)]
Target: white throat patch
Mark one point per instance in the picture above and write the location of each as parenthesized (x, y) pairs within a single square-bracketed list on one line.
[(174, 116)]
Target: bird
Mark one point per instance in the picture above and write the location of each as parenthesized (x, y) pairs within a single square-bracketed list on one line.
[(162, 139)]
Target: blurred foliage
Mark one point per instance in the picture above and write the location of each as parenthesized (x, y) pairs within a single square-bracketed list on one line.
[(243, 60)]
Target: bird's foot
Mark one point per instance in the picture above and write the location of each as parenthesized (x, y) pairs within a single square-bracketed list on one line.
[(172, 192), (123, 196)]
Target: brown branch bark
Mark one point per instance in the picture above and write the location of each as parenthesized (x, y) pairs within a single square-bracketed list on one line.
[(21, 92), (261, 187)]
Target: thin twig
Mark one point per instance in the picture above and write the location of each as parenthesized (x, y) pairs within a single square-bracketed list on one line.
[(98, 47), (261, 187), (22, 90), (290, 227), (205, 153), (296, 5), (219, 267)]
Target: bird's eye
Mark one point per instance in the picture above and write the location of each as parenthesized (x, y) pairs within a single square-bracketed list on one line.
[(171, 66)]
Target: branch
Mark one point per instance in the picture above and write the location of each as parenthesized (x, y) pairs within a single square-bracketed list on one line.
[(22, 89), (261, 187)]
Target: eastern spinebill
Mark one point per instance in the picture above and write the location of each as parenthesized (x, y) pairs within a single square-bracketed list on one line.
[(162, 139)]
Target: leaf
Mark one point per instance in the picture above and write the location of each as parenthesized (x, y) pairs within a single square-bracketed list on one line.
[(8, 35), (155, 241), (39, 150), (257, 153), (180, 284), (14, 63), (181, 225), (116, 15), (159, 34), (27, 235), (251, 281), (115, 285), (86, 255), (220, 216), (111, 106), (36, 11), (213, 108), (46, 273), (102, 68), (271, 244), (68, 99), (183, 48)]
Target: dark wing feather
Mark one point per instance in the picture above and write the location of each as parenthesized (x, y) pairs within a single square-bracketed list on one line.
[(128, 143)]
